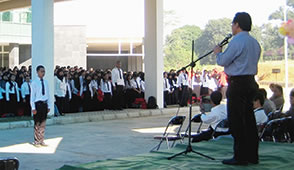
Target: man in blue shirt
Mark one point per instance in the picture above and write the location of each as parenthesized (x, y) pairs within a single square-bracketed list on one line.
[(240, 61)]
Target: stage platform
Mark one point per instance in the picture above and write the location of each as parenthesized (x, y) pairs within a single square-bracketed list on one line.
[(278, 156)]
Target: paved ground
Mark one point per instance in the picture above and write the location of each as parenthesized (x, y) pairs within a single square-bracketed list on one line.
[(83, 142)]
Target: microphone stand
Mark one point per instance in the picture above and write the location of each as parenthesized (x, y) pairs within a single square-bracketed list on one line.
[(192, 65)]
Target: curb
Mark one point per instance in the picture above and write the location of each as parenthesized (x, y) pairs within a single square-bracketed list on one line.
[(96, 116)]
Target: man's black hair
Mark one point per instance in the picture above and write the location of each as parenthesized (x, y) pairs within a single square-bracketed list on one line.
[(263, 91), (259, 96), (244, 21), (40, 67), (216, 97)]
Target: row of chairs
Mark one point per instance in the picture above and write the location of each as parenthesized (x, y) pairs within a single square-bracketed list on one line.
[(277, 129), (170, 135)]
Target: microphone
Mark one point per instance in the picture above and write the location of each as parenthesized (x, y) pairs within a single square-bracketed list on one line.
[(225, 41)]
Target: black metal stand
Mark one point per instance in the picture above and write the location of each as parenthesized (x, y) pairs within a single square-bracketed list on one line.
[(192, 65)]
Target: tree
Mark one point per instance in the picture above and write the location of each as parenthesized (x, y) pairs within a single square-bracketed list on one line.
[(215, 31), (178, 46), (279, 14)]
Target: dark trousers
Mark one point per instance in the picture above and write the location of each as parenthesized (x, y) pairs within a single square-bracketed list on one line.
[(27, 106), (40, 121), (208, 134), (107, 101), (59, 101), (12, 104), (185, 96), (118, 97), (242, 123)]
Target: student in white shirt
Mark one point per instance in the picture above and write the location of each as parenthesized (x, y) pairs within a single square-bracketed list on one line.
[(218, 113), (107, 91), (12, 95), (166, 89), (118, 83), (26, 95), (136, 87), (88, 95), (76, 102), (60, 91), (128, 90), (68, 93), (183, 82), (259, 113), (40, 103)]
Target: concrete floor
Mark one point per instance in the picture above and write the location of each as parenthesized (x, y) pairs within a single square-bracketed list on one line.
[(82, 143)]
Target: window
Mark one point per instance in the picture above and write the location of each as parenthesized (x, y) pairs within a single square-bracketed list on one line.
[(4, 56), (7, 16)]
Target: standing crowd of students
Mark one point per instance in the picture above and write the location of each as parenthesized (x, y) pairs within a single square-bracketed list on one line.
[(75, 90), (176, 85)]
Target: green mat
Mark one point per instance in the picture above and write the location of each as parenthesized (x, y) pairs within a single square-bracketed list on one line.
[(277, 156)]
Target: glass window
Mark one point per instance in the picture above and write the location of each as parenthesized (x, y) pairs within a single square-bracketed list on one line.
[(6, 48), (7, 16), (6, 60)]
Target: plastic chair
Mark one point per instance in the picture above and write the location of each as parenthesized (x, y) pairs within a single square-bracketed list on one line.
[(168, 135), (195, 119), (9, 164), (277, 130)]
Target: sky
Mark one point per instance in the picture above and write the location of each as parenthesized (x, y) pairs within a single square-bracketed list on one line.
[(121, 18)]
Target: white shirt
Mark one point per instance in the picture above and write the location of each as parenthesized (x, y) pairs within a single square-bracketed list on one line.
[(94, 84), (135, 84), (217, 114), (166, 85), (106, 86), (12, 91), (205, 81), (117, 77), (142, 85), (74, 88), (60, 87), (183, 79), (68, 89), (36, 93), (260, 116), (212, 84), (25, 89), (175, 84)]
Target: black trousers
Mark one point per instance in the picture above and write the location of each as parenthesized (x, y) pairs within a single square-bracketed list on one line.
[(118, 97), (242, 123), (207, 135), (185, 96), (107, 101), (40, 121), (27, 106), (13, 105), (59, 101)]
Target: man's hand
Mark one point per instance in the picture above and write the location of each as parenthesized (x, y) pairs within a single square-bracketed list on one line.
[(34, 112), (114, 88), (217, 49), (24, 100), (180, 88), (48, 110)]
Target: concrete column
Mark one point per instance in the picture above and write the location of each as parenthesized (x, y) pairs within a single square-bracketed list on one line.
[(153, 43), (43, 42), (13, 55)]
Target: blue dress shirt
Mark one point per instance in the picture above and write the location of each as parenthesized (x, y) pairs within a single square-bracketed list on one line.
[(242, 55)]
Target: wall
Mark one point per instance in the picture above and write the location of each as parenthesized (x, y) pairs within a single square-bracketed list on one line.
[(70, 46)]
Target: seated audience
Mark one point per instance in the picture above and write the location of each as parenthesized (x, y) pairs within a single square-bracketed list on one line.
[(217, 114), (268, 106), (259, 113), (278, 97)]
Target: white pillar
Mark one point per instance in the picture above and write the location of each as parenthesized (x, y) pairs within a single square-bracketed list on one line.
[(153, 43), (43, 42), (13, 55)]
